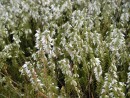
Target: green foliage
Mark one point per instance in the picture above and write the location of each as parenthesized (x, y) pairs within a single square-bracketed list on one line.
[(64, 49)]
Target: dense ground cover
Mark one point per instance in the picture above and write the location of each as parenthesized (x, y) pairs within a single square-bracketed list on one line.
[(64, 48)]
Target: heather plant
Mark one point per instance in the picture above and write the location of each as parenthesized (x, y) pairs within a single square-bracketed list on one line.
[(64, 48)]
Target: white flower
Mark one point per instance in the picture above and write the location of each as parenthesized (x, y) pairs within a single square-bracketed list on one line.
[(97, 61), (25, 65), (43, 40), (103, 91), (73, 82), (57, 87), (68, 72)]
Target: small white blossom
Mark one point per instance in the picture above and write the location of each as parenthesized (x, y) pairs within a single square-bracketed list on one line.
[(73, 82)]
